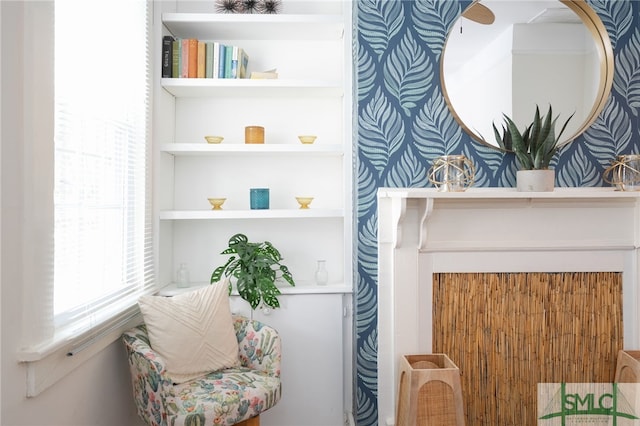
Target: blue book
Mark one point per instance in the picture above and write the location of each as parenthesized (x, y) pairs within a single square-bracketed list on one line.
[(228, 58), (222, 61), (234, 62)]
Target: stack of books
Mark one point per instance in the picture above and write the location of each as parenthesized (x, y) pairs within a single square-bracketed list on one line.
[(193, 58)]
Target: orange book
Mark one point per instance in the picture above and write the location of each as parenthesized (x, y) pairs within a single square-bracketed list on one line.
[(184, 58), (193, 58), (201, 59)]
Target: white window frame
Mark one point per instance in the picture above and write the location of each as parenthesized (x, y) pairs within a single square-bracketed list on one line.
[(48, 358)]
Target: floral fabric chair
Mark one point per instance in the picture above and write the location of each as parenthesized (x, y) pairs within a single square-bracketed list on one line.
[(225, 397)]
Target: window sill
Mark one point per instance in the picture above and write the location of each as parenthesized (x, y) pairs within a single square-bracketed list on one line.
[(47, 364)]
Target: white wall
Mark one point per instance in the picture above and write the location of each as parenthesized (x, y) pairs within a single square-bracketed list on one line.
[(551, 64), (98, 392), (489, 68), (524, 66)]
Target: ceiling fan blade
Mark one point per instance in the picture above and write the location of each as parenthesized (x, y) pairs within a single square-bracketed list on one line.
[(479, 13)]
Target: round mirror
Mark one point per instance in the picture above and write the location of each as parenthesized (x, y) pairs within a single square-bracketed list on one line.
[(526, 53)]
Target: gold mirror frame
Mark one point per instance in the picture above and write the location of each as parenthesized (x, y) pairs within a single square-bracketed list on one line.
[(605, 52)]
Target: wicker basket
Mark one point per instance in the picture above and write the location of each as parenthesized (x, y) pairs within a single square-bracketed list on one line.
[(429, 392), (628, 367), (627, 378)]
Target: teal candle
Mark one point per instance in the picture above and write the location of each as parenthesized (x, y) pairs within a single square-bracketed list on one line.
[(259, 198)]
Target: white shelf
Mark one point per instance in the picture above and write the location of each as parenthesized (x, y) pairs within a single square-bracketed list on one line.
[(251, 214), (246, 87), (172, 289), (213, 26), (200, 149)]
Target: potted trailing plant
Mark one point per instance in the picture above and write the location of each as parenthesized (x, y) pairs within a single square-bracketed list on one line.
[(253, 268), (534, 148)]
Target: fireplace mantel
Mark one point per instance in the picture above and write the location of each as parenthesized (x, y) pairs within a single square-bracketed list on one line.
[(422, 231)]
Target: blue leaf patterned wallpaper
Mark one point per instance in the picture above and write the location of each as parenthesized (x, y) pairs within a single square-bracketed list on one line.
[(403, 123)]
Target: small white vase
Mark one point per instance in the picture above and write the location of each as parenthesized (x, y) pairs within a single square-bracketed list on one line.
[(536, 180), (183, 276), (321, 275)]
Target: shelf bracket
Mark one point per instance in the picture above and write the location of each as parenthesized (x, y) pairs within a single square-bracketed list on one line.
[(426, 206)]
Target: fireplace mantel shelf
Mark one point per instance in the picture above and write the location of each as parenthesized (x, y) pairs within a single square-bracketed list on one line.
[(536, 226), (422, 231), (510, 193)]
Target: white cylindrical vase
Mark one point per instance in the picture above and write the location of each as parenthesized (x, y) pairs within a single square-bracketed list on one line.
[(536, 180)]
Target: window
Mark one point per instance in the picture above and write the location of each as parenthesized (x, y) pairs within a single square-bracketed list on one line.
[(102, 235), (86, 192)]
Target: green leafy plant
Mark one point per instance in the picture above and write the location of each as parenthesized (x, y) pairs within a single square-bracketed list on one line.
[(254, 267), (536, 146)]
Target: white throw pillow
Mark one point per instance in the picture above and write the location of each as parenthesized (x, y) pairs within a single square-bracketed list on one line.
[(192, 332)]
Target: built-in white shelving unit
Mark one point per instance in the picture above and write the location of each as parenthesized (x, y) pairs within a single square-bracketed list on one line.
[(311, 51)]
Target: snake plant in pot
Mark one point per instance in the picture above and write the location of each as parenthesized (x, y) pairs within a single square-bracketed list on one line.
[(254, 269), (534, 148)]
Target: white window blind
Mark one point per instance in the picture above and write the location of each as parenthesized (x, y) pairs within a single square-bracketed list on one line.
[(103, 254)]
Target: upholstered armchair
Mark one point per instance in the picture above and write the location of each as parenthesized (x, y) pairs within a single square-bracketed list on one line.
[(232, 396)]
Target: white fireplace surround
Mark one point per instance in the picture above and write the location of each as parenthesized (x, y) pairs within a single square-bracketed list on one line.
[(422, 231)]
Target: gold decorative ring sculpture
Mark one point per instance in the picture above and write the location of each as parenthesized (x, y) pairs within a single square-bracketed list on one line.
[(452, 173), (624, 173)]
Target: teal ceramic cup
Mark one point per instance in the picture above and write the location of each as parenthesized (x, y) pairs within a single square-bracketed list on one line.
[(259, 198)]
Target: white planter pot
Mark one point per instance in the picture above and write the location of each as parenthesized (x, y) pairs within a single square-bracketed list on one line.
[(536, 180)]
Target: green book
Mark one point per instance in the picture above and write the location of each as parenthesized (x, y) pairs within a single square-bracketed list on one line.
[(176, 46), (208, 60)]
